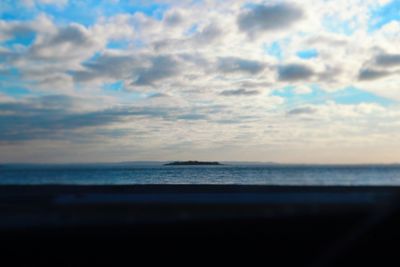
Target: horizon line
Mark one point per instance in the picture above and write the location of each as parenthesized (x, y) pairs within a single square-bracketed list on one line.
[(222, 161)]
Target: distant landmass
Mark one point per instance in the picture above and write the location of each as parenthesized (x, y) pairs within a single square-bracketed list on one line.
[(190, 163)]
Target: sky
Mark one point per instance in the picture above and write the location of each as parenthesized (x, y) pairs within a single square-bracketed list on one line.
[(310, 81)]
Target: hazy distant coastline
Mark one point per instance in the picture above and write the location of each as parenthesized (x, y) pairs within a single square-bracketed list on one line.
[(164, 163), (193, 163)]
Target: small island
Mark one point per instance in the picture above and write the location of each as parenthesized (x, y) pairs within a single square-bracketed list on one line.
[(192, 163)]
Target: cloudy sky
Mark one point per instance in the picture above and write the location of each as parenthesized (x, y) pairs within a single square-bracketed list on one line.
[(120, 80)]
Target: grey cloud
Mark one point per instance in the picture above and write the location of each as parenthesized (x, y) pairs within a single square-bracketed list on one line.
[(233, 64), (8, 56), (239, 92), (294, 72), (208, 35), (173, 19), (142, 70), (254, 84), (388, 60), (327, 40), (165, 44), (53, 117), (117, 133), (261, 18), (192, 117), (330, 74), (21, 30), (108, 66), (77, 36), (379, 66), (58, 117), (57, 102), (159, 95), (9, 30), (72, 34), (371, 74), (300, 111), (228, 121), (161, 67), (198, 60)]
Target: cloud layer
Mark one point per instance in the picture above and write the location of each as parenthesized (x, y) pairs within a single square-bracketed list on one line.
[(261, 80), (263, 18)]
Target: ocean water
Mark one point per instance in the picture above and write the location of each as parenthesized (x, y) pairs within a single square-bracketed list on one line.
[(126, 174)]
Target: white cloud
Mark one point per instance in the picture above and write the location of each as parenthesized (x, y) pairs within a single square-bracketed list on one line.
[(302, 89)]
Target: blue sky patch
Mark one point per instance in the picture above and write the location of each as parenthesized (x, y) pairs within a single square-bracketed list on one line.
[(15, 10), (334, 25), (14, 91), (386, 14), (25, 40), (353, 95), (82, 12), (346, 96), (115, 86), (274, 49), (10, 85), (118, 44), (91, 59), (192, 30), (307, 54), (10, 73)]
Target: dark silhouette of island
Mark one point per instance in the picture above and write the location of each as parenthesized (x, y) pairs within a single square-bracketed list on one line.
[(192, 163)]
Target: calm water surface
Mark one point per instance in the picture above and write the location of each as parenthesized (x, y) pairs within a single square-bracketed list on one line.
[(226, 174)]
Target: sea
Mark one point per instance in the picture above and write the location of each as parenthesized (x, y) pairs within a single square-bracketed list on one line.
[(157, 173)]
